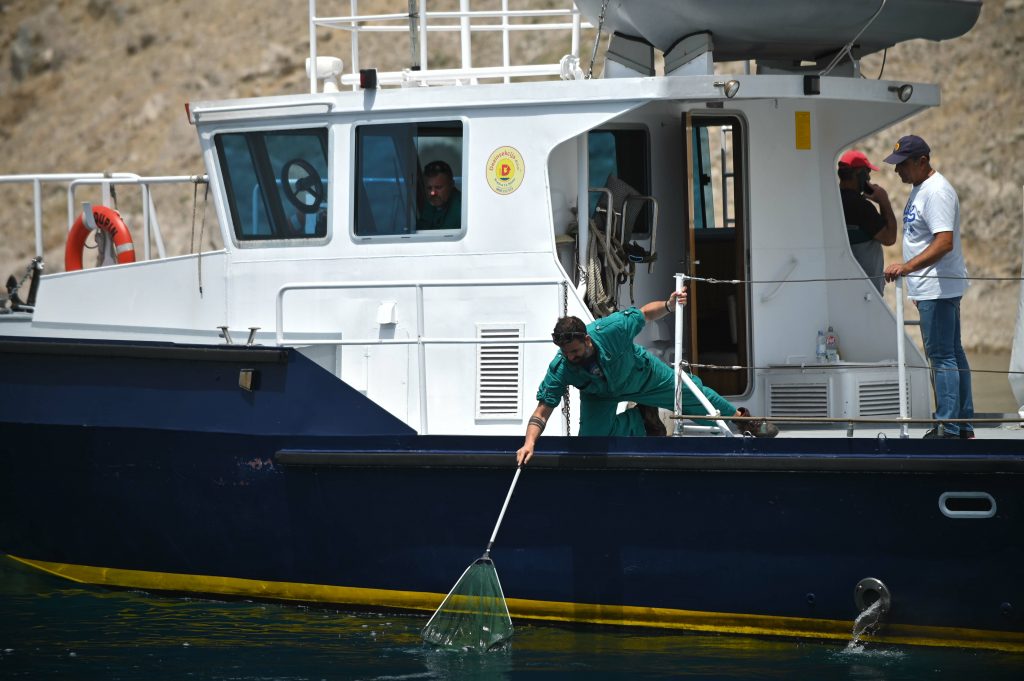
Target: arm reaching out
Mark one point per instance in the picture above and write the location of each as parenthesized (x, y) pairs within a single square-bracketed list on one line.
[(534, 427), (656, 309)]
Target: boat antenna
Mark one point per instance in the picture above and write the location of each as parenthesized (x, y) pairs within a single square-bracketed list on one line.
[(846, 51), (597, 38)]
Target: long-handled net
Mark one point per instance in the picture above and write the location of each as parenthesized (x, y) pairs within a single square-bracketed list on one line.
[(474, 614)]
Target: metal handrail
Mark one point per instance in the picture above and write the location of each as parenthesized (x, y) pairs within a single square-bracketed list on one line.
[(419, 26), (75, 179), (149, 219), (683, 379), (901, 361), (654, 224), (37, 181), (789, 269)]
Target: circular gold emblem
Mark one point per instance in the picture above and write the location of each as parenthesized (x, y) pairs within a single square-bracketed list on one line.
[(505, 170)]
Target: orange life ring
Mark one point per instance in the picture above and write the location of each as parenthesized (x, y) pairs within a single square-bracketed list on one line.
[(107, 219)]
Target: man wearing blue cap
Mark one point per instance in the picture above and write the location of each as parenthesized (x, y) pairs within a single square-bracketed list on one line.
[(932, 251)]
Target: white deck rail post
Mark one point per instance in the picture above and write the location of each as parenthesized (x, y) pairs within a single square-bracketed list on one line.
[(678, 355), (37, 210), (421, 359), (465, 37), (312, 47), (901, 361), (682, 377)]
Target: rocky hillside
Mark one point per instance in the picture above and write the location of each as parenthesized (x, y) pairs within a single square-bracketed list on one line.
[(100, 85)]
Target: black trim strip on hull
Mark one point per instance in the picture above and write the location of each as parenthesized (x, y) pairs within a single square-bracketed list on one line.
[(210, 353), (728, 462)]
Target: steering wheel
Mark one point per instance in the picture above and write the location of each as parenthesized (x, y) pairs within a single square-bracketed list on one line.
[(302, 185)]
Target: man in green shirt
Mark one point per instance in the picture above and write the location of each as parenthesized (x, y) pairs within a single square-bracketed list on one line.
[(603, 362), (443, 209)]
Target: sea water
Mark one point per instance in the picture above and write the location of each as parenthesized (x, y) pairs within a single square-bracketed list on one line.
[(53, 629)]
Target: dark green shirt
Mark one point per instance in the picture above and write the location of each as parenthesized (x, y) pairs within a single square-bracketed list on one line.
[(625, 367), (448, 216)]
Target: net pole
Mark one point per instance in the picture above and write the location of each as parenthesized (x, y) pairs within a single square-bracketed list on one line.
[(504, 507)]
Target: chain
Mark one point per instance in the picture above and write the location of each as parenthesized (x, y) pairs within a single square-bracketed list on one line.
[(565, 396), (35, 264), (597, 39)]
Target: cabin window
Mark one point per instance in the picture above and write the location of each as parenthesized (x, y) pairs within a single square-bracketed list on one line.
[(409, 180), (718, 245), (619, 159), (276, 183)]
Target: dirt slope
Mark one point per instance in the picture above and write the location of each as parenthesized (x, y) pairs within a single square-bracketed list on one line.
[(100, 85)]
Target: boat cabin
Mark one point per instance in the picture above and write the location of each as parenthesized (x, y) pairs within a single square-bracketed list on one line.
[(580, 194)]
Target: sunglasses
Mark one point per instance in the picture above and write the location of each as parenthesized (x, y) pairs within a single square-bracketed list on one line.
[(567, 337), (436, 167)]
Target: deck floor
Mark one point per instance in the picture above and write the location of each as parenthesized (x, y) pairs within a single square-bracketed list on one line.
[(983, 431)]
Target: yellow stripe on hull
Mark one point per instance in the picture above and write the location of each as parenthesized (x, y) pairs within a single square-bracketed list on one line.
[(553, 611)]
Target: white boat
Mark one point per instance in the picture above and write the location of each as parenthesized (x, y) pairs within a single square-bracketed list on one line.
[(316, 411)]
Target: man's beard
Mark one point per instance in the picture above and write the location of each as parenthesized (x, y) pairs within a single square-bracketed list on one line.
[(587, 354)]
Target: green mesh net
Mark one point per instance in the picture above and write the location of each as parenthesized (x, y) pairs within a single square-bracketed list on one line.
[(474, 614)]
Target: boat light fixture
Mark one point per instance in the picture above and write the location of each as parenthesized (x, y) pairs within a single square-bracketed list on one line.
[(729, 87), (328, 70), (368, 79), (903, 92)]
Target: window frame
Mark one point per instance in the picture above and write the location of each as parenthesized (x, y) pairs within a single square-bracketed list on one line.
[(739, 235), (432, 235), (275, 209)]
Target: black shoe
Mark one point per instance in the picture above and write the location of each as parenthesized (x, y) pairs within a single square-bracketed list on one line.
[(652, 421), (966, 433), (933, 434)]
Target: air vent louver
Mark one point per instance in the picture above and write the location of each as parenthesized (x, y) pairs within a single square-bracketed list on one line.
[(799, 399), (499, 374)]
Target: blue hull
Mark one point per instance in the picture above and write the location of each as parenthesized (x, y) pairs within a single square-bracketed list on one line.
[(147, 467)]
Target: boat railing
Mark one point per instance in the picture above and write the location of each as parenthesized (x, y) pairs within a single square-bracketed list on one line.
[(421, 340), (901, 359), (106, 181), (419, 24), (904, 420)]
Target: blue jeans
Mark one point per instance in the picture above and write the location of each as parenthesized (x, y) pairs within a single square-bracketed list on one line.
[(940, 328)]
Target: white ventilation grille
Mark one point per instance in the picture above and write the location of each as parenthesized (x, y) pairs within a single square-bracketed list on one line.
[(878, 399), (799, 399), (499, 385)]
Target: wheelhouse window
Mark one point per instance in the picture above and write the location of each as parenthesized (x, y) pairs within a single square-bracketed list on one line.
[(276, 183), (409, 180)]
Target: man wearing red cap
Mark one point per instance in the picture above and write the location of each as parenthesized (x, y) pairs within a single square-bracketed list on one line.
[(868, 227), (938, 279)]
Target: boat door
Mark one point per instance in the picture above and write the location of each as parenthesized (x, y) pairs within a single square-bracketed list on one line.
[(718, 321)]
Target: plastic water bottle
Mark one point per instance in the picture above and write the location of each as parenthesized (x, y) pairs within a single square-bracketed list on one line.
[(831, 346), (819, 351)]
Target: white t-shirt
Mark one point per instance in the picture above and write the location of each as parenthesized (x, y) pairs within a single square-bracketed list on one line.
[(933, 207)]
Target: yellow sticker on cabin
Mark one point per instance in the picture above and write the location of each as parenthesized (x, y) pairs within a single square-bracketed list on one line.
[(505, 170), (803, 129)]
